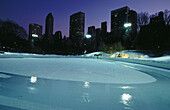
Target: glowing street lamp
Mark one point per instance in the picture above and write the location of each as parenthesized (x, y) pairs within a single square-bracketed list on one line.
[(34, 35), (126, 25), (88, 36)]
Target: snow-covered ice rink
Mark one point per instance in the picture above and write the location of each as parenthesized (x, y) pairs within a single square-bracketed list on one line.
[(74, 69), (69, 83)]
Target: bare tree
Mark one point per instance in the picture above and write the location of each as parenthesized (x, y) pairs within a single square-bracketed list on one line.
[(167, 17), (154, 15), (143, 18)]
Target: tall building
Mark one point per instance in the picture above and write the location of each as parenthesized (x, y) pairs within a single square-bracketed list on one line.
[(104, 27), (77, 24), (92, 32), (91, 42), (118, 18), (49, 26), (132, 18), (58, 36), (98, 37), (35, 32), (121, 16)]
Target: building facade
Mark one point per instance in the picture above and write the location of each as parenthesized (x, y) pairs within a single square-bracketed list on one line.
[(76, 29), (92, 32), (104, 27), (35, 32), (49, 26), (58, 36), (121, 16)]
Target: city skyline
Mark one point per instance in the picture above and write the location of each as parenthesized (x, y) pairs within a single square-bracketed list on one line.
[(97, 11)]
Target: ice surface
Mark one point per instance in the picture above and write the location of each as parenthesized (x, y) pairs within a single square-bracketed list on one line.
[(74, 69)]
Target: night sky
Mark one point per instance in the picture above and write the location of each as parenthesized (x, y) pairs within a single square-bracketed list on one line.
[(24, 12)]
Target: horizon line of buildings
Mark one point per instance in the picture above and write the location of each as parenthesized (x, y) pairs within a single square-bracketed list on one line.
[(77, 26)]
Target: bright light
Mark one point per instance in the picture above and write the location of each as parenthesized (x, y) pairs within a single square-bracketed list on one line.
[(126, 99), (33, 79), (127, 25), (86, 84), (126, 87), (34, 35), (88, 36), (112, 56)]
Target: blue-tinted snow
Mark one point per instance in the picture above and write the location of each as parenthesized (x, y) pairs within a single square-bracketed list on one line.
[(74, 69)]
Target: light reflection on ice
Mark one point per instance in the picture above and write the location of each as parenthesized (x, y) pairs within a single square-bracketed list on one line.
[(86, 97), (126, 87), (32, 89), (33, 79), (86, 84), (126, 99)]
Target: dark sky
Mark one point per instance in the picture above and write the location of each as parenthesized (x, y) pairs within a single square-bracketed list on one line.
[(25, 12)]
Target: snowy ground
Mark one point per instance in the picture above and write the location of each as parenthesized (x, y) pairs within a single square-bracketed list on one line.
[(74, 69), (52, 82), (133, 55)]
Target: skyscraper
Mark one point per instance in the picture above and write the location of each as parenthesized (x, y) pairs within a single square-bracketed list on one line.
[(121, 16), (104, 27), (92, 32), (58, 36), (132, 18), (91, 42), (118, 18), (49, 26), (35, 32), (76, 31)]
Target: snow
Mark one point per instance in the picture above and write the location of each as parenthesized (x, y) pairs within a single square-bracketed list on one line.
[(160, 59), (83, 67), (96, 55), (27, 54), (133, 55), (74, 69)]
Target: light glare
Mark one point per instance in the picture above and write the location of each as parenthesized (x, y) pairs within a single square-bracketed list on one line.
[(126, 99), (34, 35), (127, 25), (33, 79), (126, 87), (88, 36), (86, 84)]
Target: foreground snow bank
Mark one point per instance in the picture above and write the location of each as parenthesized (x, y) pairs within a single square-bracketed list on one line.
[(74, 69)]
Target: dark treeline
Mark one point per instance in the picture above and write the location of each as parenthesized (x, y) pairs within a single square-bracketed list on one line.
[(13, 37), (154, 33)]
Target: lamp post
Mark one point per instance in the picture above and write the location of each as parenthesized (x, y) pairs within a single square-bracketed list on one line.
[(88, 36), (126, 38), (127, 25), (87, 42)]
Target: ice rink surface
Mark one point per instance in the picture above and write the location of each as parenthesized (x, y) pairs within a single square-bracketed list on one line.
[(81, 84), (74, 69)]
